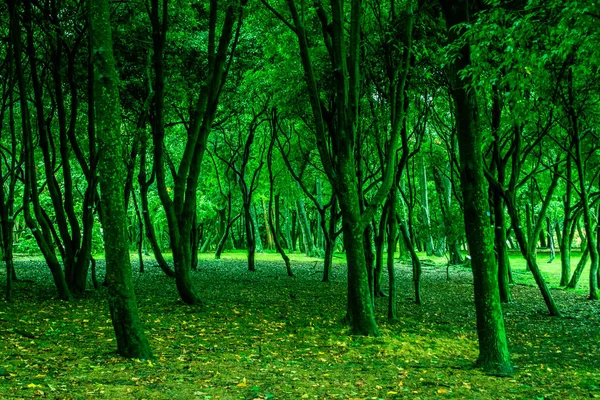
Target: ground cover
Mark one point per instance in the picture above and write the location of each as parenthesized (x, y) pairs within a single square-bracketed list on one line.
[(266, 336)]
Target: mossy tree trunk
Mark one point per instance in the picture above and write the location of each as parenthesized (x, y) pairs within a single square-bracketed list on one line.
[(131, 339), (493, 348)]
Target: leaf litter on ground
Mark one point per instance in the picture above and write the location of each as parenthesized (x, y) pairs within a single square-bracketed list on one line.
[(263, 335)]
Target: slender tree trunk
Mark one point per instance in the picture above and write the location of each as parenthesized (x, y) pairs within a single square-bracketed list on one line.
[(131, 339), (584, 194), (429, 248), (256, 226), (30, 192), (273, 228), (225, 224), (392, 239), (565, 240), (309, 245), (144, 184), (416, 263), (578, 269), (379, 238), (250, 242), (140, 232), (330, 240)]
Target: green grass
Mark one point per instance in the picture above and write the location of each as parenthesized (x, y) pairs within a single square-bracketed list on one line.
[(551, 271)]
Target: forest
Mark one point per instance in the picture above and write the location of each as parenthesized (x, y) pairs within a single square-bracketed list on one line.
[(279, 199)]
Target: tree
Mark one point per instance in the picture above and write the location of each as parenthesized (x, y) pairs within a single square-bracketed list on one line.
[(493, 348), (181, 207), (337, 130), (131, 339)]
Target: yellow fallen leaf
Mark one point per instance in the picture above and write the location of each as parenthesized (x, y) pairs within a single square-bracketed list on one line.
[(242, 384), (391, 392), (33, 386), (442, 391)]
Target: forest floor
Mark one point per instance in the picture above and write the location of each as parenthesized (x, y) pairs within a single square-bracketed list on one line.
[(263, 335)]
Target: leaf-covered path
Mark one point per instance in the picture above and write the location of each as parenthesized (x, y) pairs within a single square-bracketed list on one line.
[(263, 335)]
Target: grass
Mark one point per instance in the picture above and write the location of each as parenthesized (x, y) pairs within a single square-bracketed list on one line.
[(265, 336)]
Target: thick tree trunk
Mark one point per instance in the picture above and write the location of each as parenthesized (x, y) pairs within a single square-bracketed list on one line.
[(493, 349), (131, 339), (360, 305)]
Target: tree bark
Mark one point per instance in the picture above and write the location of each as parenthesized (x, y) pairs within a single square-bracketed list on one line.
[(493, 349), (131, 339)]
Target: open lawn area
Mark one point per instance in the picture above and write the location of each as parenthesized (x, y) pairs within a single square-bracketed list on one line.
[(263, 335)]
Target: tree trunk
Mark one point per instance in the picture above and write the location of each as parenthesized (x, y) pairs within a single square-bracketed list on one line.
[(379, 238), (131, 340), (551, 240), (256, 226), (493, 349), (30, 192), (392, 238), (416, 263), (429, 248), (144, 184), (140, 232), (584, 195), (309, 245), (565, 239), (250, 241), (330, 240), (578, 269), (360, 305)]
